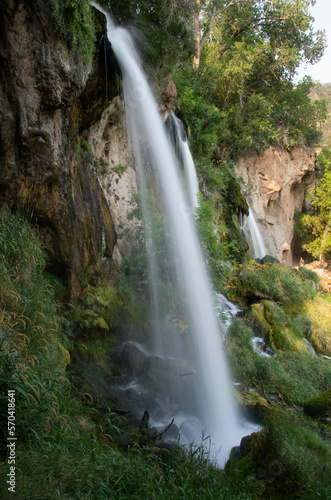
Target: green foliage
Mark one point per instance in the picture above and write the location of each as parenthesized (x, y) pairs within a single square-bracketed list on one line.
[(235, 121), (33, 347), (213, 234), (282, 331), (75, 23), (207, 123), (102, 308), (319, 406), (295, 376), (218, 221), (242, 97), (318, 311), (323, 92), (314, 226), (292, 459), (273, 281)]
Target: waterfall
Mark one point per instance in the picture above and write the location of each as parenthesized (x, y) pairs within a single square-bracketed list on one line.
[(184, 156), (185, 362), (258, 244)]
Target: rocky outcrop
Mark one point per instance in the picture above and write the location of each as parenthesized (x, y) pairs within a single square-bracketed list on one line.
[(47, 100), (117, 176), (274, 184)]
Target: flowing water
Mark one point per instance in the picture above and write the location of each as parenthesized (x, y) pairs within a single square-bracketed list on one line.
[(184, 156), (258, 244), (186, 365)]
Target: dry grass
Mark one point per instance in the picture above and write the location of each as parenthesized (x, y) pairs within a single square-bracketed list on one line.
[(318, 311)]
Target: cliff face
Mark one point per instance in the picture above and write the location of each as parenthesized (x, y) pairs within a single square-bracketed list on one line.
[(274, 184), (63, 153), (47, 101)]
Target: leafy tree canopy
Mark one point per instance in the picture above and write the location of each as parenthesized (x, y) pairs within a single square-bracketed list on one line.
[(247, 54)]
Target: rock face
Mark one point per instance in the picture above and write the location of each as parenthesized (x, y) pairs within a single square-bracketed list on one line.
[(109, 142), (274, 184), (45, 106)]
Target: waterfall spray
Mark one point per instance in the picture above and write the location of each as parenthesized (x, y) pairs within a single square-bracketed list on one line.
[(194, 377)]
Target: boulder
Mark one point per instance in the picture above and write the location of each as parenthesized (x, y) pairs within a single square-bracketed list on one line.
[(319, 406)]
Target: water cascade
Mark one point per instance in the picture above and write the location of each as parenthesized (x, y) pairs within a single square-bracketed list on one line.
[(228, 308), (185, 360), (258, 244), (184, 156)]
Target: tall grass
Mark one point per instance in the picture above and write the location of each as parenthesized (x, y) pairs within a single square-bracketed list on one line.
[(64, 449), (292, 458), (276, 282)]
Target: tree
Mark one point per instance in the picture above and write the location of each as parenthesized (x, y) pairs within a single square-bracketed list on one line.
[(285, 24), (248, 52), (316, 224)]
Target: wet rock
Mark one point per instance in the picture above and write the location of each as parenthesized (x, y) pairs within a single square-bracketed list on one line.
[(131, 358)]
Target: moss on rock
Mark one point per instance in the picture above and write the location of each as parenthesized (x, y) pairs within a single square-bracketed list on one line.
[(319, 406)]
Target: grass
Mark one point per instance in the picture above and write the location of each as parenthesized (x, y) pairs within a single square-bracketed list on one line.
[(277, 282), (292, 458), (318, 311), (67, 450), (295, 376)]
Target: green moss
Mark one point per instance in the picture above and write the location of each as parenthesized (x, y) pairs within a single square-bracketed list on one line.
[(319, 406), (283, 333), (74, 21)]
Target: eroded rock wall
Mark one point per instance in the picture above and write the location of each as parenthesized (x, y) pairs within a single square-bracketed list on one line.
[(48, 99), (274, 184)]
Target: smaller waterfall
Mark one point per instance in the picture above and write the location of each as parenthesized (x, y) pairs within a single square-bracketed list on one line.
[(241, 224), (258, 244), (310, 347), (183, 153), (228, 308)]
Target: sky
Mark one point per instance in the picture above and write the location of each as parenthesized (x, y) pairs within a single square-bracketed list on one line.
[(320, 71)]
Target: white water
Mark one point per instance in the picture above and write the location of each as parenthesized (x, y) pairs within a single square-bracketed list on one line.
[(201, 404), (229, 308), (310, 347), (185, 158), (258, 244)]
